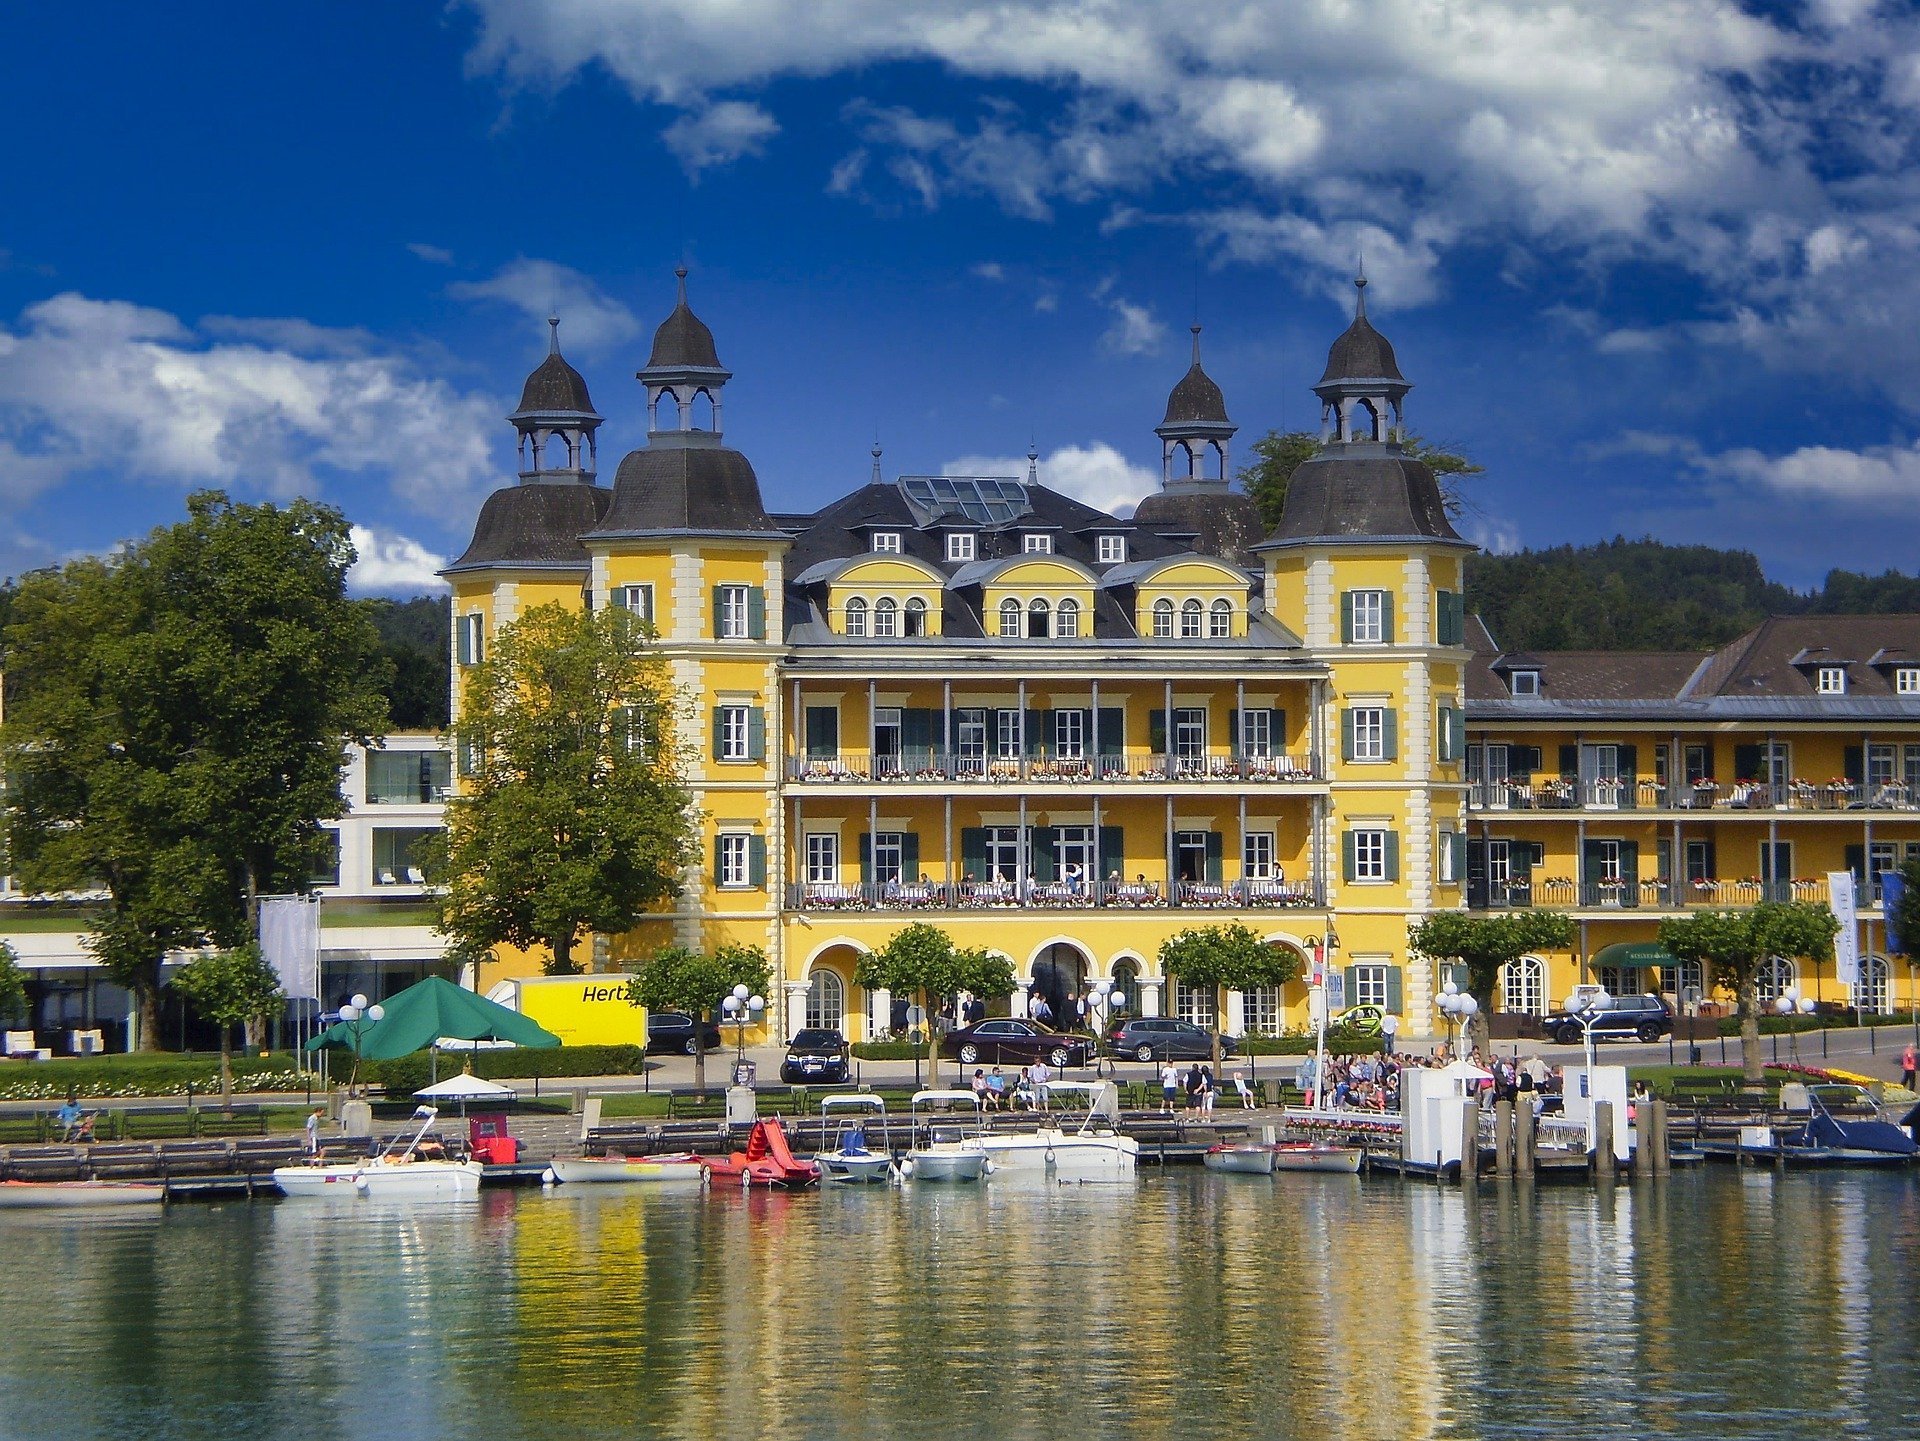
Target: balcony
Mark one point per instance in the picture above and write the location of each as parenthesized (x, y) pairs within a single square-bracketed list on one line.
[(1244, 895), (1561, 793), (1562, 893), (943, 768)]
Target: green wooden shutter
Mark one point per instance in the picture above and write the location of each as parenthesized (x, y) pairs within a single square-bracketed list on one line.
[(1386, 617), (1113, 730), (1215, 852), (1157, 732), (973, 852), (1035, 738), (1346, 734), (1277, 731), (757, 861), (756, 733), (1040, 853), (916, 739), (463, 634), (1390, 734), (1630, 867), (1396, 990), (1347, 862), (718, 730), (713, 875), (1393, 855), (1459, 975), (866, 858), (1352, 975), (717, 609), (1346, 617), (1855, 764), (1113, 852), (1857, 861), (1457, 840), (1233, 730), (757, 612), (823, 731), (910, 856)]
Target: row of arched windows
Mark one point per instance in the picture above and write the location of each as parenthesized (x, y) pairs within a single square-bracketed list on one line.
[(1193, 620), (886, 618), (1037, 619)]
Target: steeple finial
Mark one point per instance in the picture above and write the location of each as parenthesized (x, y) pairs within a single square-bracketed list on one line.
[(553, 334), (1195, 327), (876, 461), (1033, 463), (1360, 288), (680, 279)]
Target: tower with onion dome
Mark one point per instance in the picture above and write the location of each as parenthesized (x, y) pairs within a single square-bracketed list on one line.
[(1196, 500)]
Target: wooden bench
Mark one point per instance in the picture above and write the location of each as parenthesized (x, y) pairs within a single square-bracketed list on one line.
[(45, 1163), (23, 1127), (195, 1158), (258, 1155), (156, 1123), (695, 1108), (121, 1159), (247, 1120)]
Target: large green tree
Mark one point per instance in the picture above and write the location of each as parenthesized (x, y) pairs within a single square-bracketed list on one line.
[(679, 979), (228, 989), (573, 816), (177, 725), (922, 961), (1277, 454), (1226, 958), (1483, 944), (1732, 946), (13, 986)]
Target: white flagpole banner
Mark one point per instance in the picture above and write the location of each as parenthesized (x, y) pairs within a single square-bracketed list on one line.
[(290, 941), (1846, 945)]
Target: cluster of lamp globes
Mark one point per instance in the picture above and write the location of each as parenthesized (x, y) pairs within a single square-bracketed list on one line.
[(742, 1004), (1791, 1002), (357, 1009), (1456, 1004)]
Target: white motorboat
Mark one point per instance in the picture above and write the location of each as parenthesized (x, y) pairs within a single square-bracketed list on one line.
[(952, 1151), (850, 1159), (22, 1194), (399, 1176), (678, 1168), (1247, 1160), (1094, 1149), (1317, 1156)]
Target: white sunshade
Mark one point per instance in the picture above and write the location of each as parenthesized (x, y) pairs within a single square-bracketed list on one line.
[(466, 1088)]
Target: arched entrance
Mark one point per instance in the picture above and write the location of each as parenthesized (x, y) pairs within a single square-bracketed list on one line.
[(1060, 973), (826, 1001)]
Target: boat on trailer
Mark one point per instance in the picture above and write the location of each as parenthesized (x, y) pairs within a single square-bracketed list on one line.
[(397, 1175), (54, 1194), (681, 1168), (951, 1152), (851, 1160)]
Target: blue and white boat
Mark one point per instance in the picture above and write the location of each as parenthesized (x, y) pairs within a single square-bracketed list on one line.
[(851, 1158)]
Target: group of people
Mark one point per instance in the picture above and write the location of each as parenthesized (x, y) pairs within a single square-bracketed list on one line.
[(1372, 1083), (1200, 1086), (1029, 1087)]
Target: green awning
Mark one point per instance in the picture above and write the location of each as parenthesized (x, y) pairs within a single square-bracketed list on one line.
[(422, 1014), (1634, 956)]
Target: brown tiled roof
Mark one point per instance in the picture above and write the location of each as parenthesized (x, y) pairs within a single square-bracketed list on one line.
[(1761, 662)]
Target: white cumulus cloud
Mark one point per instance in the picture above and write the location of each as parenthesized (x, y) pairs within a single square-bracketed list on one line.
[(1876, 474), (719, 134), (392, 564), (590, 319), (1094, 474)]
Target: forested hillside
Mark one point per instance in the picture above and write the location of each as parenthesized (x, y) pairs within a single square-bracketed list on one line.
[(1644, 595), (416, 635)]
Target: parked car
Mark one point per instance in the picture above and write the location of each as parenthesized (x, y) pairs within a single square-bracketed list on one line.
[(1364, 1020), (1160, 1038), (816, 1055), (1015, 1040), (672, 1032), (1641, 1018)]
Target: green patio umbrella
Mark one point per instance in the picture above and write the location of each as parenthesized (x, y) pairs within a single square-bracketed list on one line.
[(422, 1014)]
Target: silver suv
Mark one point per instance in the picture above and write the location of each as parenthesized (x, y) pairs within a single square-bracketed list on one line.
[(1640, 1018)]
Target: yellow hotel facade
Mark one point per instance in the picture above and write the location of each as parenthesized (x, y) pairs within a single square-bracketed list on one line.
[(1066, 735)]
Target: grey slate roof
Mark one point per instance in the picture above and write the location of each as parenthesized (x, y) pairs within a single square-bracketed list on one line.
[(1360, 490), (555, 386), (1762, 662), (1223, 522), (704, 489), (683, 341), (1361, 353), (534, 527), (1196, 397)]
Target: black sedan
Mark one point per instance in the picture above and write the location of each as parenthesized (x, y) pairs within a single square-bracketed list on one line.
[(672, 1031), (1015, 1040), (816, 1055), (1161, 1038)]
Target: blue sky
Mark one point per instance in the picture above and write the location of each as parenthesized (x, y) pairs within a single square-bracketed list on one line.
[(1656, 265)]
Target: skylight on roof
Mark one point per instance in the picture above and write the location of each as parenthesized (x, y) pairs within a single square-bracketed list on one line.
[(983, 499)]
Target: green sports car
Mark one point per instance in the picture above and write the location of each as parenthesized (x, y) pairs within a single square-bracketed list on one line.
[(1364, 1019)]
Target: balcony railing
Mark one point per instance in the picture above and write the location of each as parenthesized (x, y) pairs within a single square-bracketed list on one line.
[(1051, 895), (1558, 793), (1561, 893), (945, 767)]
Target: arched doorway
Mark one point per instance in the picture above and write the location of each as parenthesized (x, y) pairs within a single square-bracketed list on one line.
[(1523, 987), (1060, 974), (826, 1001)]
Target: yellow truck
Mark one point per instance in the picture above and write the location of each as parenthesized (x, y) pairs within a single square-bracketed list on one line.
[(580, 1010)]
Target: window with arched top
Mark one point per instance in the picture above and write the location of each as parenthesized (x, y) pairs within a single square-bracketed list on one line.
[(1009, 617), (826, 1001), (1524, 987), (886, 617), (1220, 620), (856, 616), (1190, 612), (915, 616), (1875, 996), (1038, 616), (1163, 619), (1777, 974), (1066, 619)]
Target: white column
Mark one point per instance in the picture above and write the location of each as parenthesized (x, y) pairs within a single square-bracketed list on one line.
[(796, 1006), (1150, 996), (879, 1012), (1022, 993), (1236, 1013)]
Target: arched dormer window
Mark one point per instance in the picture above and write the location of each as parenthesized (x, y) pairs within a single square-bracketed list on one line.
[(1220, 620), (856, 616), (1066, 619), (1163, 619), (1037, 618), (886, 617), (1009, 617), (1190, 620), (915, 616)]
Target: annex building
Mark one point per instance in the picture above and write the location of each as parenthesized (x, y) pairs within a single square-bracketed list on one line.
[(1065, 735)]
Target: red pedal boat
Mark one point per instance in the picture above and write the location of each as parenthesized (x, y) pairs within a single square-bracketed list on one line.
[(766, 1162)]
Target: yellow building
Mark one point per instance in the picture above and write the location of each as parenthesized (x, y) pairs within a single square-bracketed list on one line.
[(1064, 734)]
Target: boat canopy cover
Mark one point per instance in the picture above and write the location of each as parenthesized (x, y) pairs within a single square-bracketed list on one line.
[(1825, 1130), (422, 1014)]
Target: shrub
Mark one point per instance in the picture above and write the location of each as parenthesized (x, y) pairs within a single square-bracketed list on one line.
[(109, 1077), (1339, 1043), (403, 1075), (887, 1050)]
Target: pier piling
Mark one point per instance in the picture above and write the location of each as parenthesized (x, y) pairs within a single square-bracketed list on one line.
[(1603, 1138), (1523, 1141), (1469, 1140), (1503, 1138), (1662, 1156)]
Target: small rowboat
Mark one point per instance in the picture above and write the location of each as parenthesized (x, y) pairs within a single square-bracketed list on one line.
[(1240, 1160), (682, 1168), (1317, 1156), (81, 1193)]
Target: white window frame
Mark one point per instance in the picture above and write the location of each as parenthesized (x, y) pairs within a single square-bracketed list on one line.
[(1009, 734), (886, 618), (1256, 733), (734, 623), (823, 858), (1447, 858), (1257, 856), (1261, 1011), (473, 637), (1369, 857), (1066, 619), (1369, 617), (1369, 733), (635, 599), (1013, 619), (1220, 620), (1524, 683), (1163, 619), (853, 620), (1113, 549), (734, 866), (960, 545), (1369, 985), (1523, 987), (913, 617), (1036, 545), (734, 734), (1069, 735), (886, 542), (887, 858), (1192, 618), (1906, 680), (1831, 680)]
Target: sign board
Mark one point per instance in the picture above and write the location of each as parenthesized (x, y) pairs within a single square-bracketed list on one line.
[(1336, 992), (1846, 943), (581, 1010)]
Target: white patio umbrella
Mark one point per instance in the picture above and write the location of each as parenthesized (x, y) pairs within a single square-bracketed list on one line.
[(465, 1088)]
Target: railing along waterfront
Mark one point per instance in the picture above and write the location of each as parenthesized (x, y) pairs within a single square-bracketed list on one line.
[(942, 766), (1563, 793), (1561, 893), (1053, 895)]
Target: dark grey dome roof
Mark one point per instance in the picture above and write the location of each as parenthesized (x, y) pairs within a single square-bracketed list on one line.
[(1361, 353), (695, 487), (1196, 397), (1224, 522), (1343, 497), (683, 340), (538, 526), (555, 386)]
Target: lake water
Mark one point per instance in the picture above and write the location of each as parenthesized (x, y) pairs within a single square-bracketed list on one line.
[(1717, 1304)]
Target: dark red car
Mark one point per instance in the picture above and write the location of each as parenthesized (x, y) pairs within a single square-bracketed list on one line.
[(1015, 1040)]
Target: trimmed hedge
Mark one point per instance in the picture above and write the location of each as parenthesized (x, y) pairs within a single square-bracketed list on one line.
[(887, 1050), (403, 1075), (107, 1077), (1339, 1043)]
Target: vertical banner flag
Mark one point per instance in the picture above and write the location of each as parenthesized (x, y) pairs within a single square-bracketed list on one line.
[(1846, 944), (290, 942), (1893, 890)]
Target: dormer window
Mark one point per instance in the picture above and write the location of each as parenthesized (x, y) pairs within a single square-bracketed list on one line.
[(1037, 544), (1831, 680), (886, 542), (960, 545), (1525, 682), (1112, 549), (1906, 680), (856, 622)]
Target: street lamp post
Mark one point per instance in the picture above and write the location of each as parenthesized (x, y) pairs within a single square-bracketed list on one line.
[(1102, 1001), (741, 1009), (1790, 1003), (1459, 1008), (1590, 1008), (357, 1014)]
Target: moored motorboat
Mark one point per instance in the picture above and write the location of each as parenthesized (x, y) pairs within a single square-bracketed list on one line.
[(1317, 1156), (851, 1159), (679, 1168), (22, 1194), (1093, 1150), (1243, 1160), (957, 1156), (402, 1175)]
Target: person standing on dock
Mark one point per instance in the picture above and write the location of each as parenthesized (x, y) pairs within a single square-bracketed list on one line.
[(1169, 1085), (313, 1130)]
